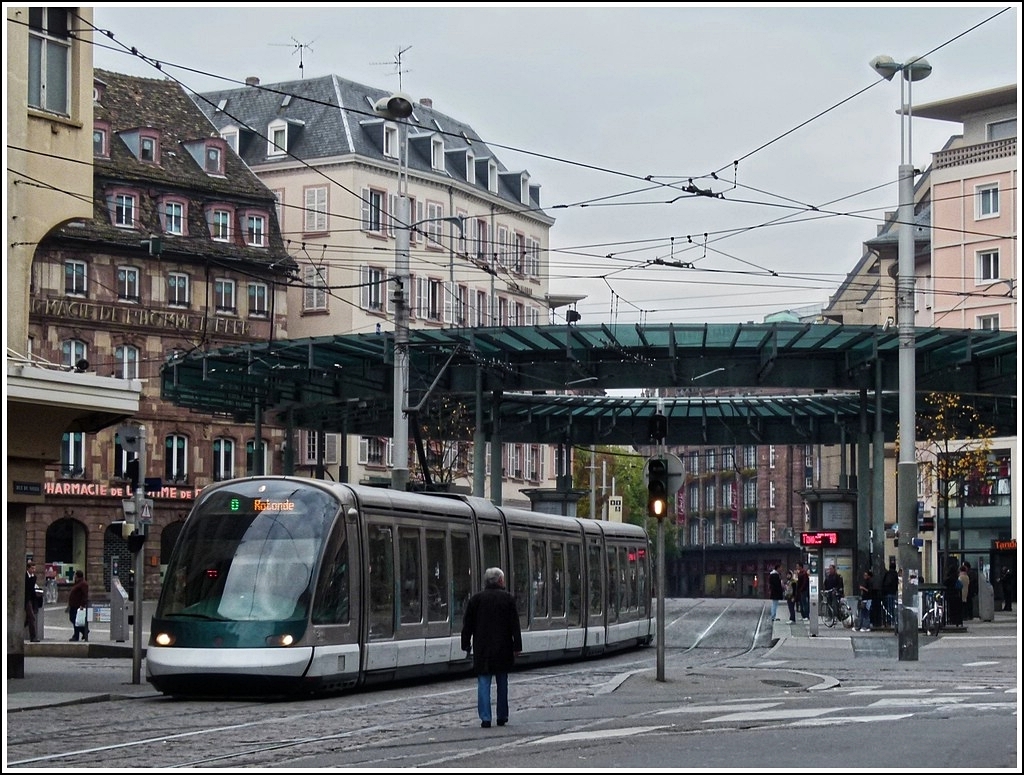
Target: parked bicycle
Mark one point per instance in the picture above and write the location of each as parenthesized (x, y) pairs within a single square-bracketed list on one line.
[(832, 608), (934, 616)]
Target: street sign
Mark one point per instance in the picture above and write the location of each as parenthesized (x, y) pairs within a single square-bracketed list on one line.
[(146, 517)]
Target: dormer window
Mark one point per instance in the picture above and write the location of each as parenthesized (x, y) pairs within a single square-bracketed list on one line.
[(470, 168), (173, 216), (214, 160), (147, 149), (492, 177), (100, 142), (437, 153), (254, 227), (122, 204), (230, 136), (391, 141), (277, 138)]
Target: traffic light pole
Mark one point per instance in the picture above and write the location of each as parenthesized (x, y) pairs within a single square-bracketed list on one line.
[(661, 596), (138, 560), (657, 507)]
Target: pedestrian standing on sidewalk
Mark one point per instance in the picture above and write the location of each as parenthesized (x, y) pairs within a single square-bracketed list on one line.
[(890, 591), (791, 595), (775, 591), (803, 590), (79, 598), (867, 594), (964, 581), (31, 601), (1006, 584)]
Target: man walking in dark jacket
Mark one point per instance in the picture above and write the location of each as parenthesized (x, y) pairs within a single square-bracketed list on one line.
[(490, 629)]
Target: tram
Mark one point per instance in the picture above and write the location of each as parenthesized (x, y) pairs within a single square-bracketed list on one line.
[(284, 585)]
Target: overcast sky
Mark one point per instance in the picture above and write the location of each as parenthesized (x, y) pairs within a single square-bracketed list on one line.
[(593, 99)]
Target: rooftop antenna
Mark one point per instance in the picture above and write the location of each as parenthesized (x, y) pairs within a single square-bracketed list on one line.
[(397, 64), (296, 46)]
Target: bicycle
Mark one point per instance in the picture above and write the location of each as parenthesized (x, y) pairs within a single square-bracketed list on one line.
[(833, 609), (935, 617)]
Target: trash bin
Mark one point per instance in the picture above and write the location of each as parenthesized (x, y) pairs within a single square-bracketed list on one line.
[(118, 611), (986, 600)]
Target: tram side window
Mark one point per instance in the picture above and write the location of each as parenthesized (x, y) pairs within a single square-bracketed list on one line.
[(643, 592), (382, 582), (613, 586), (409, 562), (595, 567), (557, 580), (575, 578), (538, 584), (492, 553), (462, 575), (625, 588), (330, 606), (437, 577), (521, 578)]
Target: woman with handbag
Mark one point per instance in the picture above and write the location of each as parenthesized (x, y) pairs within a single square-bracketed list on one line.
[(78, 601)]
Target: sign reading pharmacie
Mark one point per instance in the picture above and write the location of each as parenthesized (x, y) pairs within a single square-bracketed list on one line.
[(83, 489)]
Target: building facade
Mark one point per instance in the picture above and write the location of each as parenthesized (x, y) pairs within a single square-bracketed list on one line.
[(49, 182), (966, 264), (179, 250), (477, 255), (971, 281)]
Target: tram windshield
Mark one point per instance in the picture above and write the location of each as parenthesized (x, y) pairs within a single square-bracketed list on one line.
[(248, 552)]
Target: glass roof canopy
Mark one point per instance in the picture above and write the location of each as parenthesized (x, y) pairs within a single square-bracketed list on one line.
[(736, 383)]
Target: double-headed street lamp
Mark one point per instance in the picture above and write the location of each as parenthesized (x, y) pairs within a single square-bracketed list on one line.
[(906, 494), (398, 107)]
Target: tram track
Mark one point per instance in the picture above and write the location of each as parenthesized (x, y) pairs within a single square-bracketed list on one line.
[(283, 732)]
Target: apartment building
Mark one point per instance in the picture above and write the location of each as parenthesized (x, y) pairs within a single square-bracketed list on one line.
[(179, 250), (971, 281), (966, 265), (49, 182), (478, 242)]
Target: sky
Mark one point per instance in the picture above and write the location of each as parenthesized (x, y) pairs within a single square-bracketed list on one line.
[(613, 108)]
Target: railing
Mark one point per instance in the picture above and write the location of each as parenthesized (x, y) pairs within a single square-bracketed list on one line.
[(973, 154)]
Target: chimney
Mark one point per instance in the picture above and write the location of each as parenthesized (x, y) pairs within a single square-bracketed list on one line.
[(426, 102), (252, 80)]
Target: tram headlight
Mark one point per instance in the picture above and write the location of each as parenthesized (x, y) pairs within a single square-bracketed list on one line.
[(163, 639), (283, 639)]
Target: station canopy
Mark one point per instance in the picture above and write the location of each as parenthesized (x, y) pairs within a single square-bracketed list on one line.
[(730, 383)]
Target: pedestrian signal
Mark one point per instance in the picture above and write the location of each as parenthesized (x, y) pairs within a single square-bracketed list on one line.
[(657, 488)]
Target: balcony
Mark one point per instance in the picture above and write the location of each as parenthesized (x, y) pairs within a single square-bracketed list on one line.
[(974, 154)]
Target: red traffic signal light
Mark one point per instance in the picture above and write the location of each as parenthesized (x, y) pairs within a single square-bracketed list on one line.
[(657, 488)]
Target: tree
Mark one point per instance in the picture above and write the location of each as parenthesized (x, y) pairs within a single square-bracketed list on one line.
[(610, 464), (953, 450), (444, 424)]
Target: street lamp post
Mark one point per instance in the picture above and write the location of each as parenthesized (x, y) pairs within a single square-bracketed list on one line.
[(906, 494), (703, 555), (398, 107)]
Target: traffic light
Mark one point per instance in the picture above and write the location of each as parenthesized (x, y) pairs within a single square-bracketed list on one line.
[(657, 488), (135, 541)]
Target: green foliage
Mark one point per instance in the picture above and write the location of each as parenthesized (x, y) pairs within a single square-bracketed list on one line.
[(953, 442), (620, 464)]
